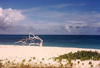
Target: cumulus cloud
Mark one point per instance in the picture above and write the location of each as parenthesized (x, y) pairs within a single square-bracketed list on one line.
[(44, 21), (12, 15), (8, 17)]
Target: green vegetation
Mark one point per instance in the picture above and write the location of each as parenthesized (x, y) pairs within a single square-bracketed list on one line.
[(69, 60), (23, 60), (83, 55), (30, 60), (49, 63), (78, 62), (71, 64), (6, 59), (1, 60), (34, 58), (9, 61), (40, 62), (0, 64), (60, 60), (61, 65), (82, 63), (22, 65), (42, 58), (90, 62), (49, 58), (91, 66)]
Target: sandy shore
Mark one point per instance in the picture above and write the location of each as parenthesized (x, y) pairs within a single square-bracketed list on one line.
[(19, 53), (7, 51)]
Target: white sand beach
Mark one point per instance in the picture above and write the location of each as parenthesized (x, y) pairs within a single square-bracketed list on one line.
[(17, 53)]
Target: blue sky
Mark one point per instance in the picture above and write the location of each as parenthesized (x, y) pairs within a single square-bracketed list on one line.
[(60, 17)]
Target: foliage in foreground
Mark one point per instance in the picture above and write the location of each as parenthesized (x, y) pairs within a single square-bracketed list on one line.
[(82, 55), (29, 66)]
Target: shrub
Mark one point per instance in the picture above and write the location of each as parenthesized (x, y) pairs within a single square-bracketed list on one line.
[(82, 59), (49, 58), (6, 59), (74, 63), (23, 60), (9, 61), (42, 58), (46, 65), (71, 64), (30, 60), (34, 58), (24, 66), (99, 64), (91, 66), (55, 59), (40, 62), (49, 63), (78, 62), (82, 63), (0, 64), (1, 60), (69, 60), (60, 60), (83, 55), (61, 65), (90, 62)]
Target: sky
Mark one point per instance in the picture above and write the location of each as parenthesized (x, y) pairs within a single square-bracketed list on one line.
[(50, 17)]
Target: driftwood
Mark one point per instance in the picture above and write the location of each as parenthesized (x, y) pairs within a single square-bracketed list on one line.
[(32, 39)]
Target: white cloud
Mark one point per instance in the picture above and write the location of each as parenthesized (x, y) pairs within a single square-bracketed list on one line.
[(8, 16), (95, 24), (65, 22), (1, 12), (66, 5), (75, 21), (12, 15), (44, 21)]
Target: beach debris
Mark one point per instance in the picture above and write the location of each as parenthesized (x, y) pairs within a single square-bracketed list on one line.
[(31, 40)]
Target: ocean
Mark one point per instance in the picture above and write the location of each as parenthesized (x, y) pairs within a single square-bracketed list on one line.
[(77, 41)]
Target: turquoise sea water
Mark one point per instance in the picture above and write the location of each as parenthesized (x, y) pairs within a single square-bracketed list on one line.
[(78, 41)]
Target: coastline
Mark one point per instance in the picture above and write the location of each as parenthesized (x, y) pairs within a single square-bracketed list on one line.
[(46, 52), (18, 53)]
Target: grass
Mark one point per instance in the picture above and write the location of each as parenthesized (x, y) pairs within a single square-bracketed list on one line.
[(1, 65), (23, 60), (78, 62), (9, 61), (34, 58), (42, 58), (22, 65), (30, 60), (6, 59), (40, 62), (90, 62), (82, 63), (91, 66), (49, 58), (60, 60), (1, 60), (82, 55)]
